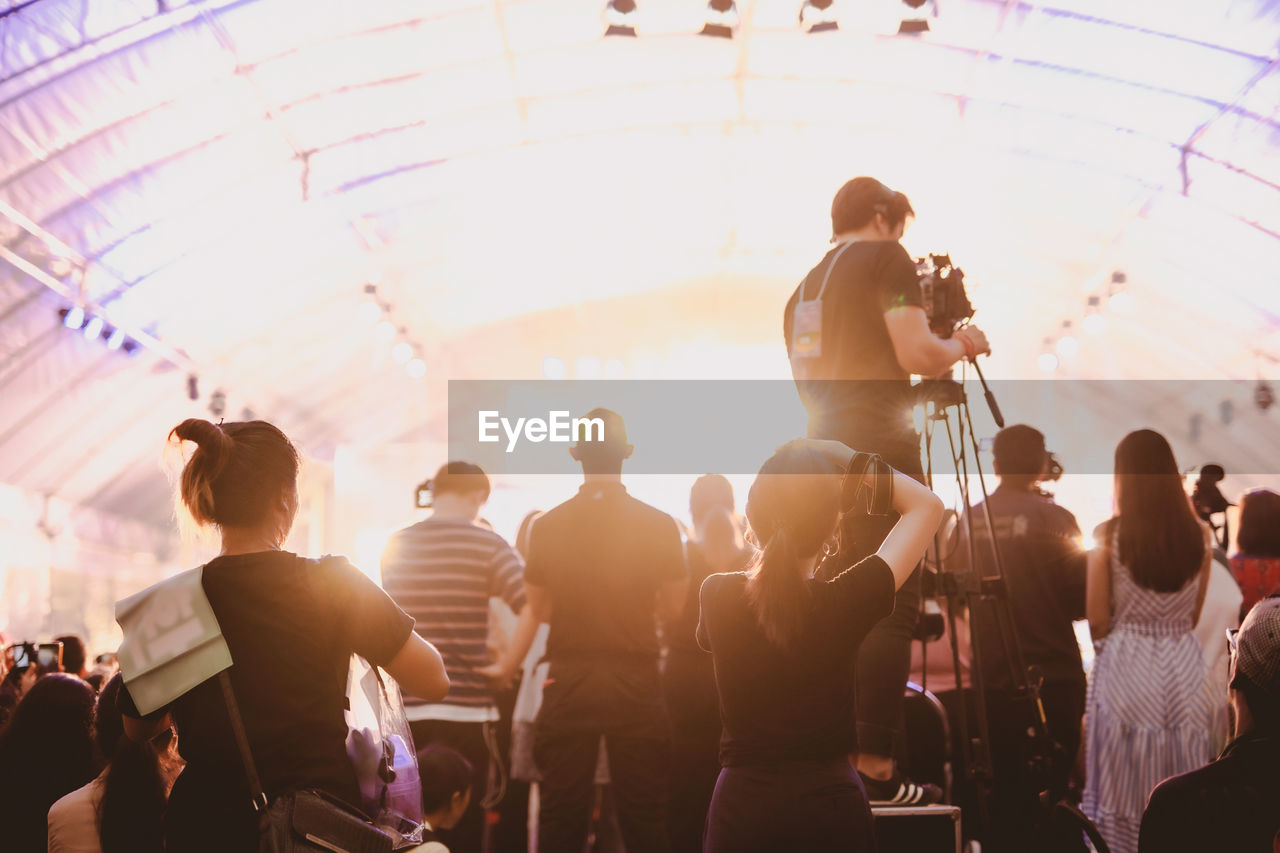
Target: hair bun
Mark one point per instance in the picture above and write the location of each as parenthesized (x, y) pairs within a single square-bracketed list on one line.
[(200, 431)]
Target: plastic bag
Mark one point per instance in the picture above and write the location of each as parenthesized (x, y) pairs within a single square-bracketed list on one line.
[(381, 750)]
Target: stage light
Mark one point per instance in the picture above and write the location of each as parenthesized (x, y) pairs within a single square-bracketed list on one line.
[(193, 387), (1048, 362), (93, 328), (818, 16), (1121, 303), (416, 368), (368, 312), (619, 18), (385, 331), (554, 367), (917, 20), (722, 19), (115, 339), (1068, 346), (401, 353), (74, 318), (1094, 324)]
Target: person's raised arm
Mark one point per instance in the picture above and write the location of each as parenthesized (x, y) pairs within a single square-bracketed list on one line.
[(921, 513), (419, 669)]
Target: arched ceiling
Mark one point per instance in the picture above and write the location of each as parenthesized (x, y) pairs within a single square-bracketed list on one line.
[(226, 176)]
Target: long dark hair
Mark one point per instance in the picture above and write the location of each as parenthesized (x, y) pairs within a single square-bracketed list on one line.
[(793, 507), (1161, 542), (46, 752), (1259, 524), (134, 790)]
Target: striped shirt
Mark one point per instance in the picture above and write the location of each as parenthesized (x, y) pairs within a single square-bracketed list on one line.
[(442, 572)]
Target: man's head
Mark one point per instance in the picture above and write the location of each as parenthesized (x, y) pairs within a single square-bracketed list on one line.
[(869, 209), (73, 654), (446, 785), (709, 492), (1020, 455), (602, 446), (459, 489), (1255, 669)]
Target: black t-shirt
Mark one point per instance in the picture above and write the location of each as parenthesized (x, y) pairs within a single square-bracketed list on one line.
[(602, 555), (680, 635), (291, 625), (1232, 804), (857, 376), (782, 705), (1044, 568)]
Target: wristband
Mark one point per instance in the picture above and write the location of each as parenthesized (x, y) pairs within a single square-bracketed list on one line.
[(970, 348)]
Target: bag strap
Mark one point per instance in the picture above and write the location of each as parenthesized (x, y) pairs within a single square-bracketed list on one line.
[(242, 743), (826, 277)]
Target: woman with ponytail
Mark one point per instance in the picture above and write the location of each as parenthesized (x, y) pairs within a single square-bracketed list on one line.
[(783, 644), (291, 625), (121, 811)]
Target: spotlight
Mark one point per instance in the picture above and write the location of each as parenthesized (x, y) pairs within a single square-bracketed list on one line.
[(619, 18), (401, 352), (722, 18), (917, 20), (416, 368), (93, 328), (368, 311), (193, 387), (74, 317), (1048, 362), (818, 16), (218, 403), (1094, 324), (1122, 302), (385, 331), (114, 339)]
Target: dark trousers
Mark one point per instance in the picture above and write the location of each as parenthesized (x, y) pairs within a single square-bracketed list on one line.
[(1016, 819), (468, 739), (693, 706), (638, 777), (811, 806), (884, 658)]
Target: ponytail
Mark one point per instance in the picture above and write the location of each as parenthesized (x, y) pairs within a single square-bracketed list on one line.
[(777, 592), (133, 800), (213, 450)]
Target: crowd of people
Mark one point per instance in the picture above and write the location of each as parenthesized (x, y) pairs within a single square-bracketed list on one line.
[(739, 684)]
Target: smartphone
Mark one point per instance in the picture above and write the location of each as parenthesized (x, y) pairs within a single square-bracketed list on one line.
[(49, 657), (21, 655)]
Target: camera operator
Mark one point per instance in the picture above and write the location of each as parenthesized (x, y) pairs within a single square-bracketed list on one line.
[(1043, 565), (856, 330)]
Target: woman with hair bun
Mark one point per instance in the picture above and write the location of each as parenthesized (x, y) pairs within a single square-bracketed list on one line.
[(291, 625), (783, 644)]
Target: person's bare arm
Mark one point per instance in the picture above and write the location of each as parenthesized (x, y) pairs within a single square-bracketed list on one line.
[(419, 669), (1097, 591), (921, 513), (505, 669), (919, 350), (539, 599), (1206, 566)]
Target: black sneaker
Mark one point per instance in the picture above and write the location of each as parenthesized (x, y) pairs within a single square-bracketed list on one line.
[(898, 790)]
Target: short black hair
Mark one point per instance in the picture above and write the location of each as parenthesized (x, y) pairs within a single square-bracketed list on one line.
[(1019, 451), (1264, 707), (444, 772)]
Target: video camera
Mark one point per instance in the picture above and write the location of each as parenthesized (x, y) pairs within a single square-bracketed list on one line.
[(945, 301)]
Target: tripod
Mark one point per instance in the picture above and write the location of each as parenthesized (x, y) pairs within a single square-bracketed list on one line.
[(948, 407)]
